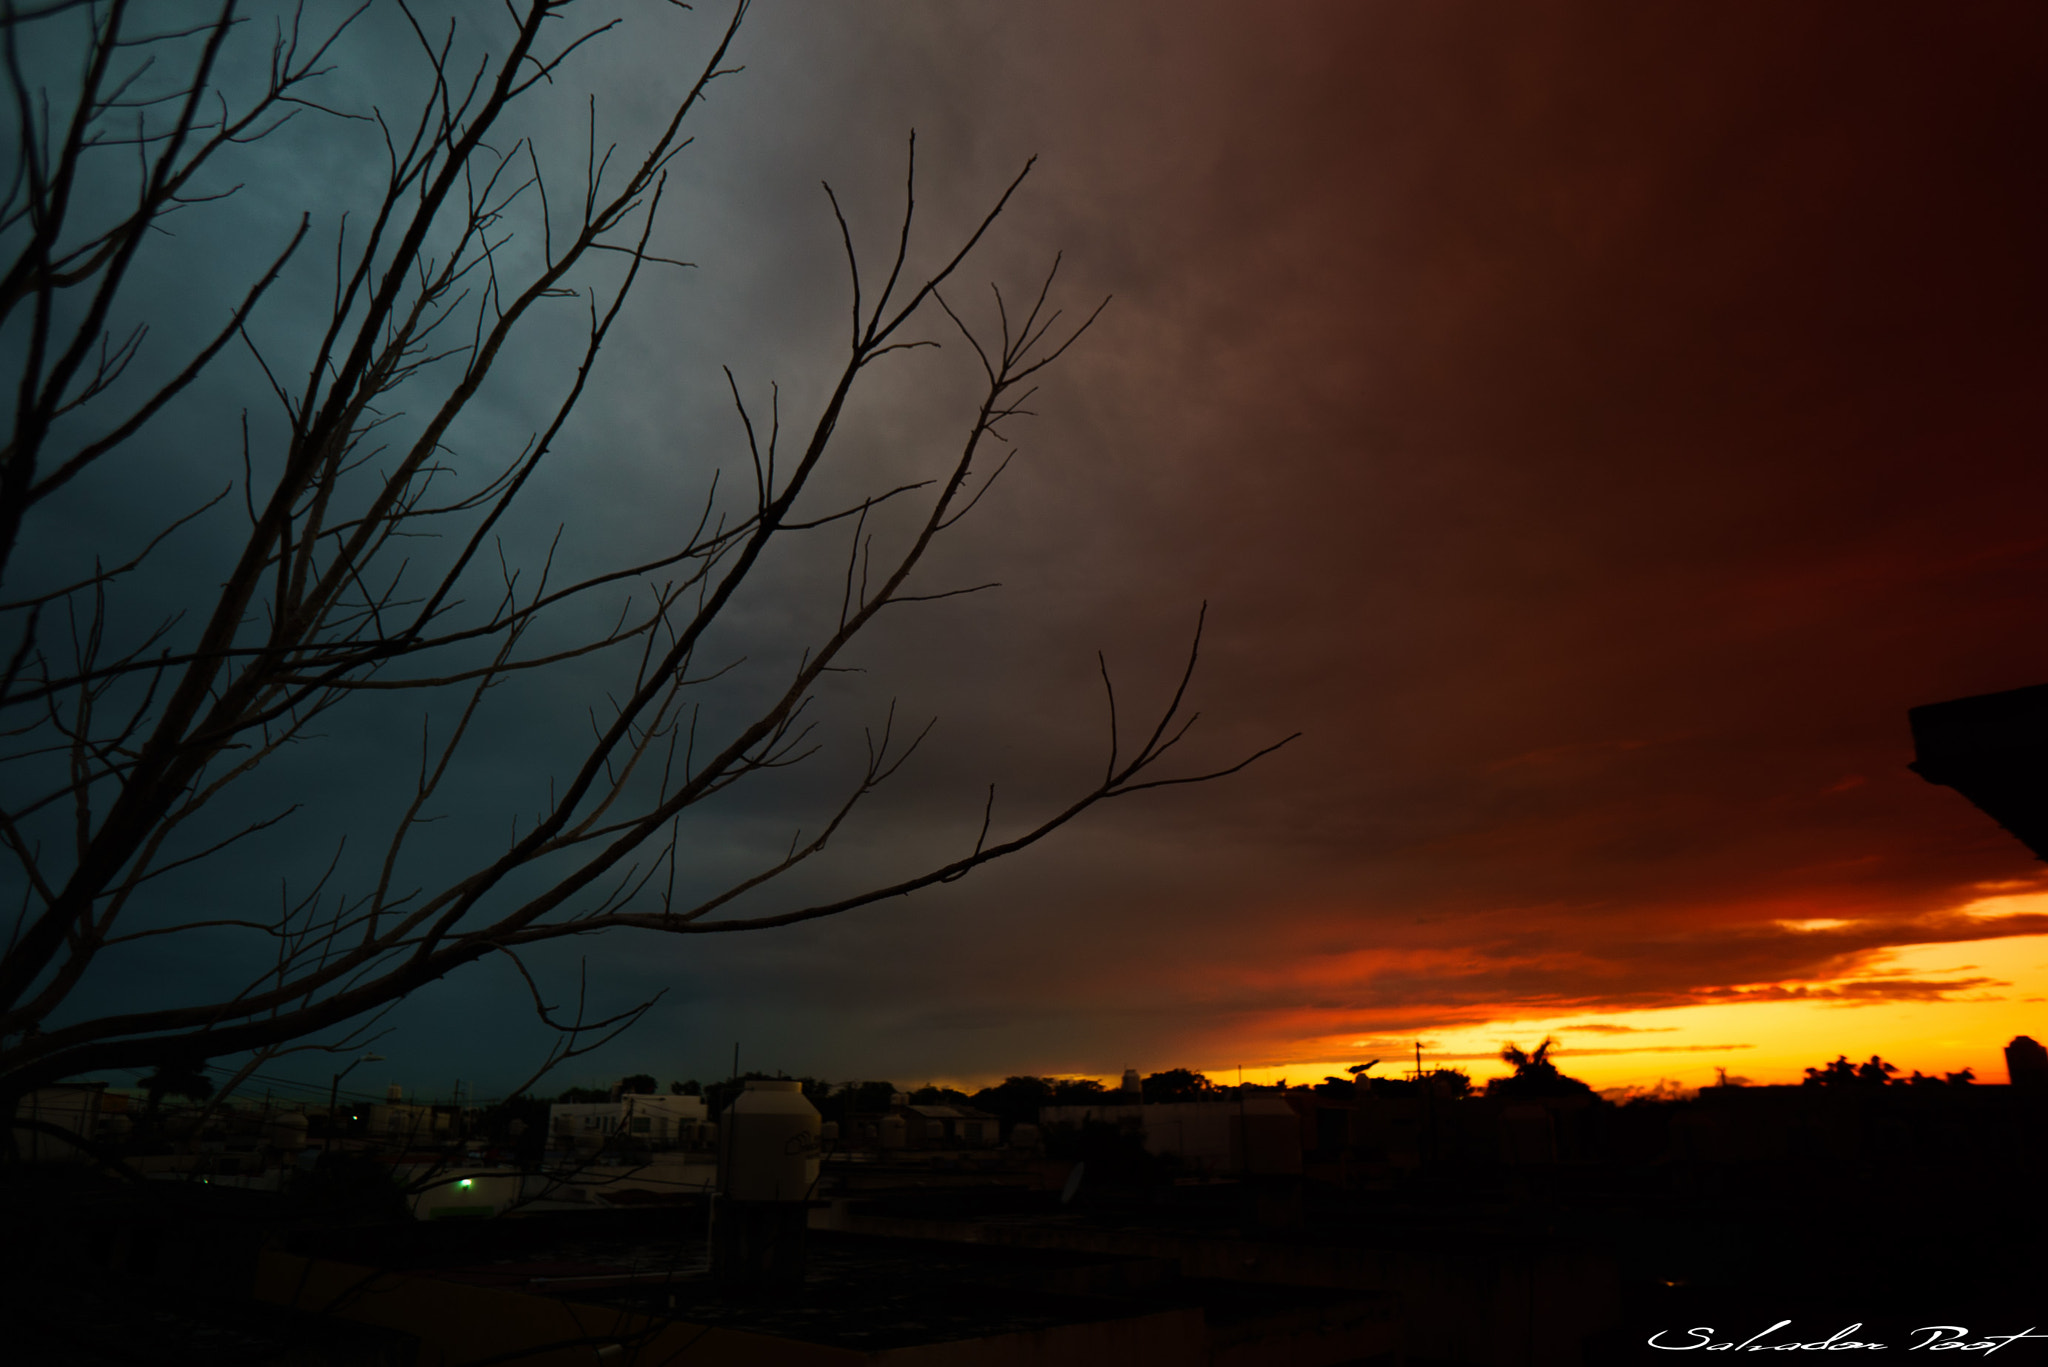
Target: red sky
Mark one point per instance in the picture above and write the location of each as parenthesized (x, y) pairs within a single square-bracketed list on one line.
[(1591, 426), (1594, 426)]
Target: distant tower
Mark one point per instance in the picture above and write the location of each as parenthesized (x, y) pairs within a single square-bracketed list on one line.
[(2026, 1063), (1132, 1087)]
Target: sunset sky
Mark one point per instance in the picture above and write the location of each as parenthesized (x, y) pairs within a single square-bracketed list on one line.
[(1591, 426)]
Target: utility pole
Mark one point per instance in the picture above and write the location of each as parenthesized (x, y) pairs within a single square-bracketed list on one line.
[(334, 1093), (1428, 1108), (1244, 1136)]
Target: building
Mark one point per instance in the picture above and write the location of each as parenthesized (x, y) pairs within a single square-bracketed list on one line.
[(950, 1127), (2026, 1063), (396, 1123), (646, 1119), (1248, 1136)]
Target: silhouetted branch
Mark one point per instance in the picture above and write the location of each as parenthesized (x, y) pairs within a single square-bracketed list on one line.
[(332, 584)]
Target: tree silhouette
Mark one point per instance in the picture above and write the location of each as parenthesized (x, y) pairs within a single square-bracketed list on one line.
[(182, 1079), (1015, 1100), (1078, 1091), (1920, 1079), (356, 552), (857, 1099), (1176, 1084), (1842, 1073), (1535, 1075), (933, 1095), (1451, 1082)]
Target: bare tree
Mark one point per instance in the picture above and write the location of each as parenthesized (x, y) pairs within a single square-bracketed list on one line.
[(122, 739)]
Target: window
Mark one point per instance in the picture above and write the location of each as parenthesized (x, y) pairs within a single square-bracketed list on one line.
[(642, 1124)]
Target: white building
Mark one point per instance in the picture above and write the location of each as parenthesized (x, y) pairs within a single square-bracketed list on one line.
[(647, 1119), (1254, 1135), (400, 1123)]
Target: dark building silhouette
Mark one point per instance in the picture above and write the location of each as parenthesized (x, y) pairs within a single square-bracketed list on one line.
[(1993, 749), (2026, 1063)]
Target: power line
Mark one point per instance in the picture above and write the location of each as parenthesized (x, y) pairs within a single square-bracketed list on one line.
[(270, 1079)]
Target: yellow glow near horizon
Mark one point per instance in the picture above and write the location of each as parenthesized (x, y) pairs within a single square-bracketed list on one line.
[(1762, 1041), (1760, 1038)]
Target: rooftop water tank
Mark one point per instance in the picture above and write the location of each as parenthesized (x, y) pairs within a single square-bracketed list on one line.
[(771, 1143), (1132, 1086)]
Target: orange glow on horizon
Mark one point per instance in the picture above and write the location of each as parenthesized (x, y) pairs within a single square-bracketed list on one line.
[(1992, 991), (1937, 1006)]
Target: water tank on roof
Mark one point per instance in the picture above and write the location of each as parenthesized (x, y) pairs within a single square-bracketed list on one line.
[(894, 1133), (288, 1132), (771, 1143), (394, 1094), (1132, 1086)]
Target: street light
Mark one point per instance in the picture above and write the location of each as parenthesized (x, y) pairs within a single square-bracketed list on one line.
[(335, 1091)]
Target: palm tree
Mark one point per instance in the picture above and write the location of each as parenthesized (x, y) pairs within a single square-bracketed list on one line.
[(1842, 1073), (1535, 1074), (180, 1078), (1533, 1064)]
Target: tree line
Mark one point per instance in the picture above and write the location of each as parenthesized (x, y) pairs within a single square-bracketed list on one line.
[(1018, 1098)]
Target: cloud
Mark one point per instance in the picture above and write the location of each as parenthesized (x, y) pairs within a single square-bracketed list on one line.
[(1581, 1051), (1592, 433), (1862, 993), (1606, 1028)]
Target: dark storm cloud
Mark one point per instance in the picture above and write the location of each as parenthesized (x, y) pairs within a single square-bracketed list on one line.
[(1621, 421), (1592, 426)]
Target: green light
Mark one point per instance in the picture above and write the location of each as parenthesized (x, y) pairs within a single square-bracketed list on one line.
[(465, 1183)]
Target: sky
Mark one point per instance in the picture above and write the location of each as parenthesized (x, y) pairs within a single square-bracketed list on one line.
[(1591, 427)]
